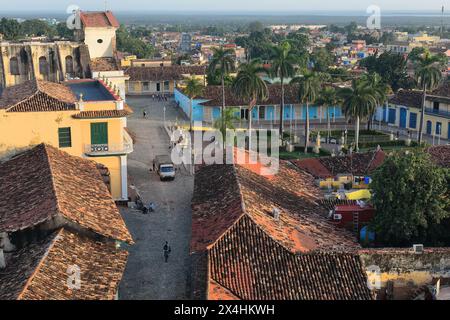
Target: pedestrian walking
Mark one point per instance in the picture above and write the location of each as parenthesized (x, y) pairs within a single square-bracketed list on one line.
[(167, 250), (144, 114)]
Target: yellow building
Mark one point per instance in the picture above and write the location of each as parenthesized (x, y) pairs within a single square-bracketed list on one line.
[(404, 112), (85, 118)]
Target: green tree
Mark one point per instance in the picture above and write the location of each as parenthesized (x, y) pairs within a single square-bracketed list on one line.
[(223, 64), (380, 91), (328, 97), (308, 92), (249, 87), (36, 27), (227, 122), (428, 74), (411, 196), (193, 89), (127, 43), (321, 59), (358, 101), (10, 28), (392, 68), (283, 62)]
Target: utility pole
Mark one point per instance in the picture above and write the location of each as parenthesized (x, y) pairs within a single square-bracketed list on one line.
[(442, 22)]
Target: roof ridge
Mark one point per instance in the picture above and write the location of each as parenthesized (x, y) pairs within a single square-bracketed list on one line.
[(35, 81), (41, 261), (241, 198), (55, 191)]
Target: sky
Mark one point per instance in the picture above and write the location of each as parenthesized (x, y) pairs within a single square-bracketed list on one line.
[(224, 5)]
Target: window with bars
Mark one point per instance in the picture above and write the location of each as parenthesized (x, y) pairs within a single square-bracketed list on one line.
[(64, 137)]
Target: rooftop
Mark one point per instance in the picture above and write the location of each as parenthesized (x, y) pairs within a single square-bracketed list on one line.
[(213, 95), (101, 19), (356, 164), (39, 271), (44, 183), (92, 90), (165, 73), (254, 255)]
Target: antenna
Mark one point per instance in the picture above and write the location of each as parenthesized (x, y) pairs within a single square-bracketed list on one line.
[(106, 5)]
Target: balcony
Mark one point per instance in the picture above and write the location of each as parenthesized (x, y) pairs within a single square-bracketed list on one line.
[(110, 149), (439, 113)]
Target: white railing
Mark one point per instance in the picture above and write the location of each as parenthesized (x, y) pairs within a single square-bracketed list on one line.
[(125, 147)]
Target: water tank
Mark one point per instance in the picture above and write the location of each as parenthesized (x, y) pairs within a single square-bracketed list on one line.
[(366, 235)]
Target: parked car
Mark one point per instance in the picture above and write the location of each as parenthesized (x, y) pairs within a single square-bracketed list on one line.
[(164, 167)]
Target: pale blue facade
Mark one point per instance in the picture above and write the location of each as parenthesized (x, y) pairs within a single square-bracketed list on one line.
[(267, 113)]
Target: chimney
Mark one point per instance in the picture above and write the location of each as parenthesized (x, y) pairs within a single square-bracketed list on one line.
[(276, 214), (2, 259)]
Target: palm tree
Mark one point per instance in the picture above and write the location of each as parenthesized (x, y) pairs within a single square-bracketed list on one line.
[(222, 63), (381, 90), (358, 101), (249, 87), (308, 92), (283, 62), (428, 74), (228, 121), (193, 89), (328, 97)]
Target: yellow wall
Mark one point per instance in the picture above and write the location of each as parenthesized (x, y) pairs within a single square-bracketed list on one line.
[(23, 129)]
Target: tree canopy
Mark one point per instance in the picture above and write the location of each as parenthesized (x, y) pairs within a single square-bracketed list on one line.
[(411, 196), (128, 43)]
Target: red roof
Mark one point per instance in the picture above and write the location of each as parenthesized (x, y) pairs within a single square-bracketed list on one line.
[(99, 20)]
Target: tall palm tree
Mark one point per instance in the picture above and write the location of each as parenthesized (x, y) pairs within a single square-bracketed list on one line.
[(229, 119), (249, 87), (358, 101), (328, 97), (381, 90), (193, 89), (283, 62), (428, 74), (222, 63), (308, 91)]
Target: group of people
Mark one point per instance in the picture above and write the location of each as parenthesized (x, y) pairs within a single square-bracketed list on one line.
[(159, 97)]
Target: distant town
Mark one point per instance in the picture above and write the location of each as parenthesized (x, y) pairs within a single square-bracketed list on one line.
[(251, 160)]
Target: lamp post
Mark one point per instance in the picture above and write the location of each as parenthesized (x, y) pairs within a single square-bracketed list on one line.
[(164, 116)]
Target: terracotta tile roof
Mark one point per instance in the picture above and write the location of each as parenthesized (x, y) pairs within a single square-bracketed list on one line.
[(44, 182), (224, 194), (407, 98), (248, 264), (165, 73), (39, 271), (313, 166), (37, 95), (214, 96), (253, 256), (357, 164), (104, 64), (440, 155), (443, 90), (98, 114), (99, 19)]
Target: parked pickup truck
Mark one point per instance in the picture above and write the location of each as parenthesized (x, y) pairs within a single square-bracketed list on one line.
[(164, 167)]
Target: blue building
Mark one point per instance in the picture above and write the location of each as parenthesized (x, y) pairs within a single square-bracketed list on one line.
[(207, 108)]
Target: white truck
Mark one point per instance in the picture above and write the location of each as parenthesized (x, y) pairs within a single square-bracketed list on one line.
[(164, 167)]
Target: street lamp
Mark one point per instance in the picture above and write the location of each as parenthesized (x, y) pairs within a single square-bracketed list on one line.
[(164, 112)]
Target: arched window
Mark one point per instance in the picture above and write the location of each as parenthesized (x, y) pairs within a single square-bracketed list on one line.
[(69, 64), (14, 66), (43, 65)]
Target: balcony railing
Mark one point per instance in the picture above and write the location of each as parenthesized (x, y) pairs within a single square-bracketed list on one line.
[(125, 147), (440, 113)]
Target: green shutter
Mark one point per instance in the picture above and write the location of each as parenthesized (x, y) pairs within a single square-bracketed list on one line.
[(64, 137), (99, 133)]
